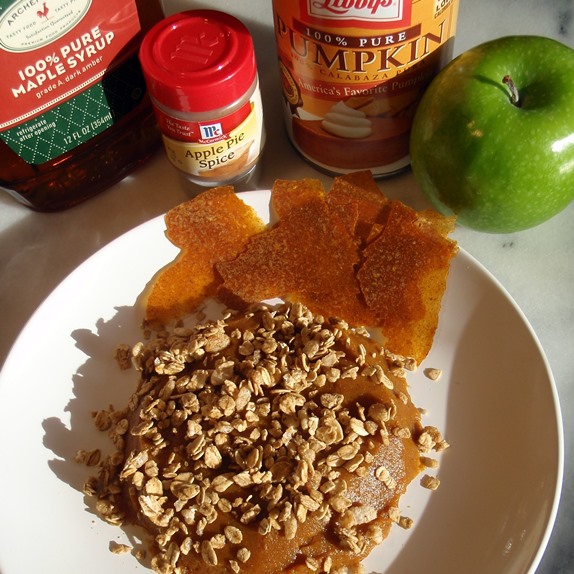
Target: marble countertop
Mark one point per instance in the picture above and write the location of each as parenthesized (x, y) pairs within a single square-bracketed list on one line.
[(37, 251)]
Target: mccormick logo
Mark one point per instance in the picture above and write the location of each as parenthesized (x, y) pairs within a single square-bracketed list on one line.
[(211, 131), (362, 12)]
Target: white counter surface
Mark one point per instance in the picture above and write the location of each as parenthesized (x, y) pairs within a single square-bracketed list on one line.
[(536, 266)]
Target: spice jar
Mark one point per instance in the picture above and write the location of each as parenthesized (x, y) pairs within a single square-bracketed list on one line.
[(75, 117), (202, 76), (353, 73)]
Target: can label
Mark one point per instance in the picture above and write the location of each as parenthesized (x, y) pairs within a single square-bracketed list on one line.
[(67, 75), (217, 149), (353, 72)]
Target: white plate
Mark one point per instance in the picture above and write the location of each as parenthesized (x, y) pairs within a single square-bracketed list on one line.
[(496, 403)]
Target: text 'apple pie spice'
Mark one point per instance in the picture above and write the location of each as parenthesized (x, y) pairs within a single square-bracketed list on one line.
[(353, 72), (201, 73)]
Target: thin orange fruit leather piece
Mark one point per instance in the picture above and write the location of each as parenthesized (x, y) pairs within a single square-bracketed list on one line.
[(306, 256), (290, 194), (214, 226), (403, 278), (356, 198)]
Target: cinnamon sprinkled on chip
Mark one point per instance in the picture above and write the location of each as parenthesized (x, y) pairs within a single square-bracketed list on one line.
[(348, 252), (357, 199), (291, 194), (289, 261), (403, 278), (212, 227)]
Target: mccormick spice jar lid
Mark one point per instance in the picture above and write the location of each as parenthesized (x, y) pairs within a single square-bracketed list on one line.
[(198, 61)]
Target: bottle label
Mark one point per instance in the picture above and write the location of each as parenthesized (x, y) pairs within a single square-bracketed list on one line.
[(353, 72), (217, 149), (69, 71)]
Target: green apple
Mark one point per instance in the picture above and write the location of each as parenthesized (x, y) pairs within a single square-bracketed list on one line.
[(493, 137)]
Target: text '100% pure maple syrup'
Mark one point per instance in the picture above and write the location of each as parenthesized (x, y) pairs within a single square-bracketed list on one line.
[(75, 115)]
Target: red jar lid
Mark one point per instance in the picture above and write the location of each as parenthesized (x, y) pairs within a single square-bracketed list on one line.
[(198, 61)]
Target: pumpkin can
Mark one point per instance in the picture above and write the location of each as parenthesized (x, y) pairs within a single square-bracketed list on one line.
[(353, 73)]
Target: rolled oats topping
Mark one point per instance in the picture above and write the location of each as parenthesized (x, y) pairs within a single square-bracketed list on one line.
[(256, 433), (433, 374)]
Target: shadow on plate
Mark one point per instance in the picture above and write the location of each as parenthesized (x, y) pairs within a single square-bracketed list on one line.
[(97, 384)]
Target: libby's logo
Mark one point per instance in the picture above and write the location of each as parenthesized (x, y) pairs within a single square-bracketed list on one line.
[(362, 10)]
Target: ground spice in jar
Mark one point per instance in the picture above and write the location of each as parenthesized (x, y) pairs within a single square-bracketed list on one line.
[(201, 72), (353, 72)]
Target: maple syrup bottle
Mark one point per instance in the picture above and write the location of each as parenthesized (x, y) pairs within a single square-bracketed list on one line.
[(75, 115)]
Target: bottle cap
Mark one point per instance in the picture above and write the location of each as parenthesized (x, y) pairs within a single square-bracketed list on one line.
[(198, 61)]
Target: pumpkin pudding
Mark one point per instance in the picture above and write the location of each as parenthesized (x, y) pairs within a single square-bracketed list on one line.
[(270, 442)]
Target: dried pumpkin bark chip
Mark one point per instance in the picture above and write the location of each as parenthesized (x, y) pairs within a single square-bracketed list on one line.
[(403, 278), (213, 226), (307, 255), (291, 194), (356, 198), (348, 252)]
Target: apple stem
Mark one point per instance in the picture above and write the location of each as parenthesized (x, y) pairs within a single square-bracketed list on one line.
[(514, 95)]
